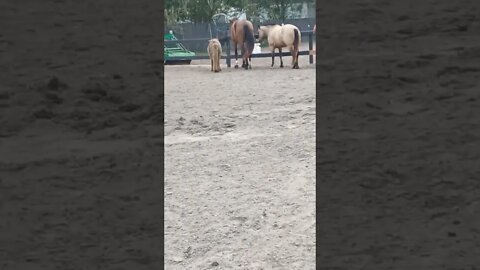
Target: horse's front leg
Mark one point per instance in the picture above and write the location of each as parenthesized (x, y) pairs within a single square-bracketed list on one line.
[(281, 61), (236, 56)]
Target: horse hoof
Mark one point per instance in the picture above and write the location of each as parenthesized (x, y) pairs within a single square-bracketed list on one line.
[(236, 66), (281, 66)]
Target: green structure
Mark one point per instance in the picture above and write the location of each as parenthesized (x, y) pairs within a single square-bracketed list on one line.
[(174, 52)]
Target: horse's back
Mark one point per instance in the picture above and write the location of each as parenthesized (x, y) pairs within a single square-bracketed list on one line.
[(288, 33)]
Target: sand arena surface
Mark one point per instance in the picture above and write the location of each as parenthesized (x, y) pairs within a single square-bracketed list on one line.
[(240, 166)]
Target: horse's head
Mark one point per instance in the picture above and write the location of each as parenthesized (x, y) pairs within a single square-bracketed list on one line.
[(262, 32)]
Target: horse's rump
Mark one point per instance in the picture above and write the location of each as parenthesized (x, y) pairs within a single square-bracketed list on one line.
[(214, 46)]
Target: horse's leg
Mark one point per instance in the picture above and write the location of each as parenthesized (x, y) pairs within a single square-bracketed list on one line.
[(295, 65), (273, 55), (246, 56), (292, 52), (281, 61), (236, 56), (215, 62), (245, 60), (244, 63), (211, 63)]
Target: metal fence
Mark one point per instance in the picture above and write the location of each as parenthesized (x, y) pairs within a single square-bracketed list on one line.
[(228, 56), (190, 33)]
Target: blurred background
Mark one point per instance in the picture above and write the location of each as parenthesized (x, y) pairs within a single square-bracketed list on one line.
[(200, 19)]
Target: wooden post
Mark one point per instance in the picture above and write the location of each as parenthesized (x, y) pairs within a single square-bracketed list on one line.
[(310, 46), (228, 51)]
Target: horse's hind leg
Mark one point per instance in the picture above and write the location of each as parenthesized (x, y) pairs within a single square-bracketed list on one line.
[(281, 61), (236, 56), (295, 65), (273, 57), (244, 63), (294, 53)]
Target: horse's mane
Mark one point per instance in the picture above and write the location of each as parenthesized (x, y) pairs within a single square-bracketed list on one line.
[(271, 24)]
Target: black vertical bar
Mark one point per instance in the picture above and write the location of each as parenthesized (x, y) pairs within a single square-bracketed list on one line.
[(310, 46), (228, 51)]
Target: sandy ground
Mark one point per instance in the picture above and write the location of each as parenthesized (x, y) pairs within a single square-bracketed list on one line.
[(80, 135), (398, 138), (240, 167)]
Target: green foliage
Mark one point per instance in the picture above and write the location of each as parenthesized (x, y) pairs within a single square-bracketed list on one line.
[(203, 10)]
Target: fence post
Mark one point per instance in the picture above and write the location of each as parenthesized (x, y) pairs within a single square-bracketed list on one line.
[(310, 46), (228, 51)]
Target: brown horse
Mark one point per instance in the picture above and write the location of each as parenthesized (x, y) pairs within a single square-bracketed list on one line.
[(280, 36), (242, 34)]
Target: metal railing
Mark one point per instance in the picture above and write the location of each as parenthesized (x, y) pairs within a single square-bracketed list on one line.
[(228, 57)]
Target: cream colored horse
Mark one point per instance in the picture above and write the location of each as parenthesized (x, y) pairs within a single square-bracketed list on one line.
[(280, 36), (214, 50)]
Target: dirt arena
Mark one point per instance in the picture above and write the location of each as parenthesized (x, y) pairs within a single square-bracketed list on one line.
[(240, 166)]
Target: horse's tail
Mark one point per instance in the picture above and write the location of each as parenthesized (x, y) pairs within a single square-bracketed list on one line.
[(296, 39), (249, 38)]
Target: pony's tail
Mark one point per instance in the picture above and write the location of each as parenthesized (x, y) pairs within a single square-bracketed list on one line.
[(249, 38)]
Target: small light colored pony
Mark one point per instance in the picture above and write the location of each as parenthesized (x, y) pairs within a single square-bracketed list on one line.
[(214, 50), (241, 32), (280, 36)]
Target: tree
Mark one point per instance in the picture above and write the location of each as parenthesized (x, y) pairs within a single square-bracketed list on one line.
[(203, 10)]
